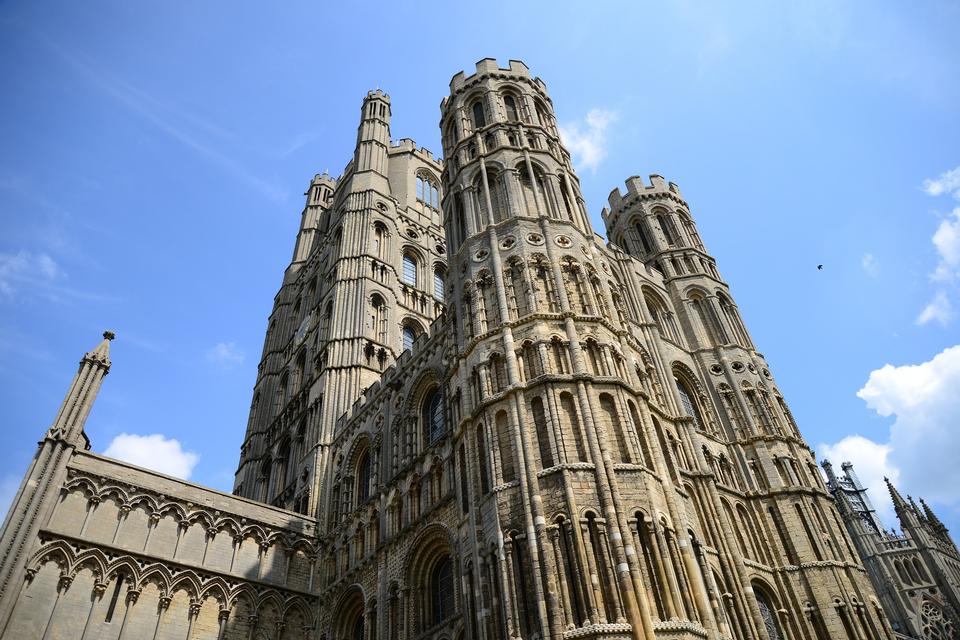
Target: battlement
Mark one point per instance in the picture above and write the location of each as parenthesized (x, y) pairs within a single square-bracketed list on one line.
[(408, 145), (489, 66), (323, 178), (377, 94), (637, 188)]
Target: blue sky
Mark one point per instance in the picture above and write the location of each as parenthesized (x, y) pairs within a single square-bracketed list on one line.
[(153, 160)]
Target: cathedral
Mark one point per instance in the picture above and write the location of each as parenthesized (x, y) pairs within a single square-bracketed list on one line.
[(474, 418), (916, 573)]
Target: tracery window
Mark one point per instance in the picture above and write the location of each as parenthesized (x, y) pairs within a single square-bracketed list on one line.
[(442, 593), (936, 626), (427, 190), (688, 404), (433, 419), (363, 478), (768, 614)]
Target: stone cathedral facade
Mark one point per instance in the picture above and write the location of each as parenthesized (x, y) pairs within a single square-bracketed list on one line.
[(916, 573), (473, 419)]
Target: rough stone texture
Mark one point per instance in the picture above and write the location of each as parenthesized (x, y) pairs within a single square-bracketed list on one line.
[(472, 419)]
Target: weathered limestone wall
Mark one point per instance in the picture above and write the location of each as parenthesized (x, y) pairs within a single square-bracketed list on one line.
[(128, 553)]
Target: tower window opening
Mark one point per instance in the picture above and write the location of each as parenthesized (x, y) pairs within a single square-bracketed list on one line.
[(409, 270), (511, 106), (479, 117)]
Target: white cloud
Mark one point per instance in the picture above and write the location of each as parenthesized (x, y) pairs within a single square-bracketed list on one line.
[(156, 452), (226, 355), (587, 140), (871, 464), (924, 441), (870, 265), (947, 241), (948, 182), (26, 268), (939, 309)]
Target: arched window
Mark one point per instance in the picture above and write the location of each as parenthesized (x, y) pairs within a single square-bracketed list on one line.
[(363, 478), (433, 419), (438, 284), (543, 435), (409, 335), (427, 191), (409, 269), (442, 594), (508, 469), (642, 236), (482, 461), (713, 330), (660, 316), (542, 114), (666, 226), (479, 117), (768, 613), (511, 106), (379, 239), (689, 405), (325, 321), (282, 469), (357, 633), (281, 396), (378, 318)]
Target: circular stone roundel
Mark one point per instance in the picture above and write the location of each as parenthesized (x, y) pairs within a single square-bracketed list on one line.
[(480, 255), (563, 241), (535, 238)]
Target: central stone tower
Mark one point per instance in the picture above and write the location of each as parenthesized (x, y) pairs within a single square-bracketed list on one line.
[(528, 288)]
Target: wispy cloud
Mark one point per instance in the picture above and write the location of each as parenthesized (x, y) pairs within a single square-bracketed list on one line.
[(939, 310), (168, 119), (946, 242), (154, 451), (25, 268), (870, 265), (225, 355), (299, 141), (587, 140), (946, 239), (948, 182), (26, 273)]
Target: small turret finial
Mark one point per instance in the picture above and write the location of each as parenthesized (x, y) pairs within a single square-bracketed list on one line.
[(109, 335)]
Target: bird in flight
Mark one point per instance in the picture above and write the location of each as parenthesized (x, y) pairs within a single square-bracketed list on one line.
[(819, 267)]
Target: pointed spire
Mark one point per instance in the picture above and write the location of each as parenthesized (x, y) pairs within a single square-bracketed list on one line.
[(898, 502), (913, 505), (95, 364), (101, 353), (932, 517)]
